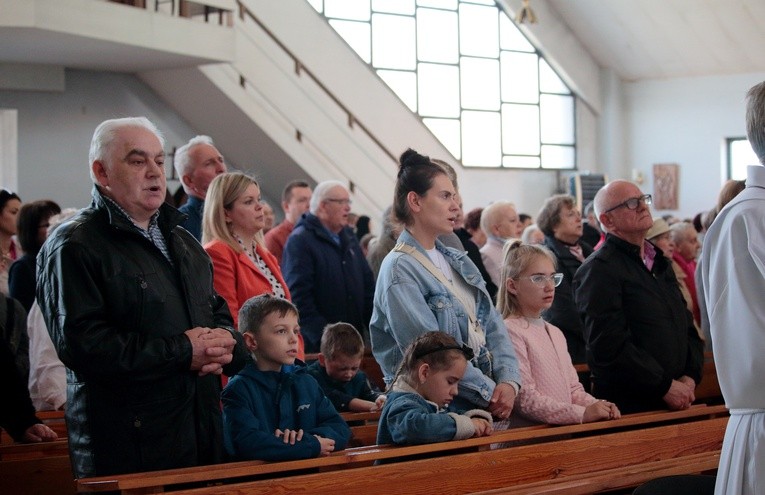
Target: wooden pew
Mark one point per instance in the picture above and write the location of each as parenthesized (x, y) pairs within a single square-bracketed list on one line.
[(41, 476), (54, 419), (360, 417), (514, 466), (708, 391), (615, 479), (673, 422), (34, 450), (40, 468), (371, 367), (45, 467), (363, 435)]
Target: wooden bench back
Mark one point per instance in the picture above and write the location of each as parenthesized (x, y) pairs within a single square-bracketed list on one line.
[(160, 480), (45, 471), (490, 469)]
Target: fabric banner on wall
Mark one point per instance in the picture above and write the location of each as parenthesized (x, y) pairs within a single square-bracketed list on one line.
[(665, 182)]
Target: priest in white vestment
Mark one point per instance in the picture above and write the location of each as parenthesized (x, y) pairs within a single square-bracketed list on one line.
[(731, 286)]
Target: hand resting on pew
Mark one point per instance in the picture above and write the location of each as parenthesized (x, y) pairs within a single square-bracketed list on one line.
[(601, 409), (680, 394), (292, 436), (39, 433)]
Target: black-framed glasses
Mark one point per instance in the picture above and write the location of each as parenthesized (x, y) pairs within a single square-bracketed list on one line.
[(632, 203), (541, 280)]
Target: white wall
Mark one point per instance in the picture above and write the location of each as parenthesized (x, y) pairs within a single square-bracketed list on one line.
[(8, 149), (684, 121), (55, 128)]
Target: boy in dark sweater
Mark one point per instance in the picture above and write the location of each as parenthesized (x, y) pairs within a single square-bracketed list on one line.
[(338, 374)]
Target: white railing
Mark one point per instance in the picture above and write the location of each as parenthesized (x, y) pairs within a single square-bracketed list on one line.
[(204, 10)]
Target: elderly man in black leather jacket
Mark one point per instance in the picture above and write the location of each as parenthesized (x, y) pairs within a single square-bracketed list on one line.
[(128, 298), (642, 347)]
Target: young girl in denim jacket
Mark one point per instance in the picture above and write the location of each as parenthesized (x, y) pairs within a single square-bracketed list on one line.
[(425, 384)]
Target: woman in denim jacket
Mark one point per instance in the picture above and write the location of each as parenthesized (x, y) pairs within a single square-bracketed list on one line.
[(424, 286)]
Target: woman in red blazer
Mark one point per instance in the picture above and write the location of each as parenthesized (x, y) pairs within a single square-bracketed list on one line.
[(232, 234)]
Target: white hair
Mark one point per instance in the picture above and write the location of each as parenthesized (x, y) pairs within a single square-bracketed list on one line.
[(681, 231), (182, 161), (321, 192), (106, 133), (489, 214)]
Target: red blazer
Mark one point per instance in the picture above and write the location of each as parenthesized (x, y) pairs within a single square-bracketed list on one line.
[(236, 278)]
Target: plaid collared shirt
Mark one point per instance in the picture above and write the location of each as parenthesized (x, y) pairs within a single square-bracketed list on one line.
[(153, 233)]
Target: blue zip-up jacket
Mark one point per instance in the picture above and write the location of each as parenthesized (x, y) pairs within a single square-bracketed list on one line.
[(409, 301), (256, 403)]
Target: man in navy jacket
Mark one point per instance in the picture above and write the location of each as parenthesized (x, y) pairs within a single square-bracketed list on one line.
[(323, 265)]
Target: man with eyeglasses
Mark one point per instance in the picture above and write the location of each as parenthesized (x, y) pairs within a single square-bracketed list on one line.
[(642, 348), (325, 269)]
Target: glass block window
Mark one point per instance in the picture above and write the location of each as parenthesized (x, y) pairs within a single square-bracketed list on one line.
[(466, 69)]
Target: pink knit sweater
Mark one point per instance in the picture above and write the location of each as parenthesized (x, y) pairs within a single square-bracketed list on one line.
[(551, 392)]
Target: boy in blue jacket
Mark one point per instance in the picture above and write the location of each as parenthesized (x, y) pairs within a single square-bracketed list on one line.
[(338, 373), (273, 410)]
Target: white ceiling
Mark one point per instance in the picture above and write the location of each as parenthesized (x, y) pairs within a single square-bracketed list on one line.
[(656, 39), (638, 39)]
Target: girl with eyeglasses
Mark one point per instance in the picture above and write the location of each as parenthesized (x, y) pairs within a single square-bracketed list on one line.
[(551, 390)]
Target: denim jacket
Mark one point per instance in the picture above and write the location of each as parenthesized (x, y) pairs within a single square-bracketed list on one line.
[(409, 301), (409, 418)]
